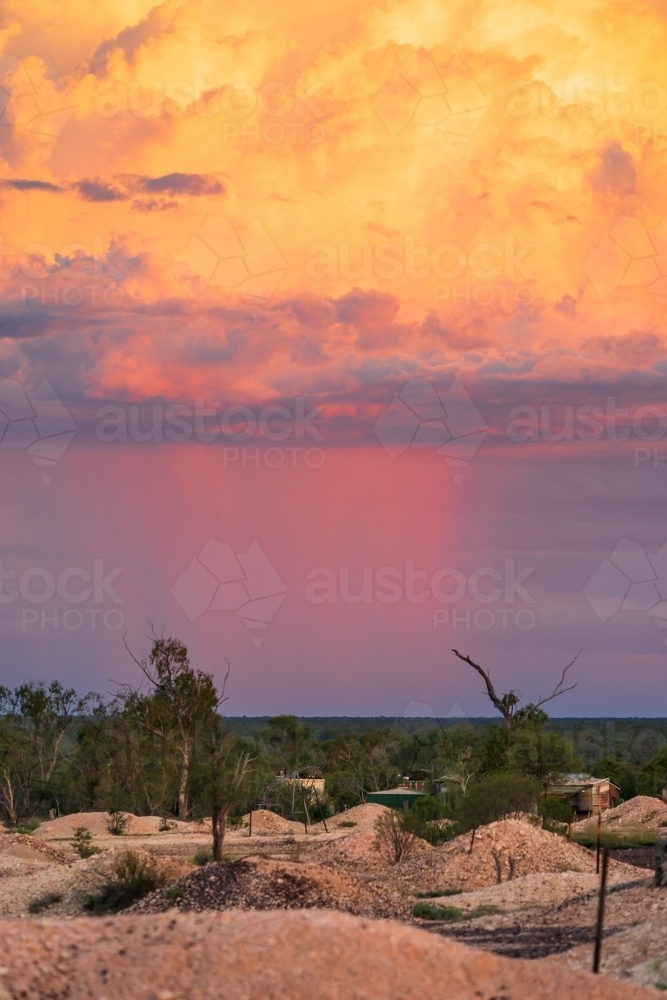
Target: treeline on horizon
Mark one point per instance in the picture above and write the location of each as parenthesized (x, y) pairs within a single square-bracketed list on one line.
[(166, 748)]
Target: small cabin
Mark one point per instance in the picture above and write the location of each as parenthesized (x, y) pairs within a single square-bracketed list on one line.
[(588, 796)]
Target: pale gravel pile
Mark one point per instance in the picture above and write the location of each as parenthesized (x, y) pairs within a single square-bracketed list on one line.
[(643, 810), (364, 817), (265, 821), (23, 845), (74, 881), (636, 945), (96, 822), (544, 889), (311, 955), (535, 851)]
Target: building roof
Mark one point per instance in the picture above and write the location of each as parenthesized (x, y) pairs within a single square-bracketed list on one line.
[(574, 782), (397, 791)]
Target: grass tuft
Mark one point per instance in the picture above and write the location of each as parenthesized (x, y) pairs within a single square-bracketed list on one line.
[(44, 902)]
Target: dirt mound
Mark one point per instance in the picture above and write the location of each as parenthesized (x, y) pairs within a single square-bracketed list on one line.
[(363, 817), (262, 956), (531, 849), (529, 891), (21, 845), (265, 821), (254, 884), (638, 949), (643, 810), (68, 886), (359, 852), (96, 822)]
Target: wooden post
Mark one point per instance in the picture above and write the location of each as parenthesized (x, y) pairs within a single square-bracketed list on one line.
[(250, 824), (600, 924), (472, 839), (306, 817), (320, 808), (598, 840)]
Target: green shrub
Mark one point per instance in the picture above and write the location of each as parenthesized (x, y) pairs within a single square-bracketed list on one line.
[(619, 839), (202, 856), (347, 822), (429, 819), (429, 911), (117, 822), (26, 826), (436, 893), (82, 842), (134, 878), (499, 794), (482, 911), (554, 811), (43, 902), (653, 775), (174, 892), (235, 821)]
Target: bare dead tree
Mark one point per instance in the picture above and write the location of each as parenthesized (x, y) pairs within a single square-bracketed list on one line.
[(499, 865), (462, 770), (392, 840), (515, 715)]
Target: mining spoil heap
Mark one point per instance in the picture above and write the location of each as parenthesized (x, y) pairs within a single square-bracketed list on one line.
[(532, 850), (270, 956)]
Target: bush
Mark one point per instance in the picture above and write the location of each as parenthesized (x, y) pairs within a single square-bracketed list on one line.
[(555, 812), (496, 796), (43, 902), (319, 810), (27, 826), (629, 837), (174, 892), (429, 819), (653, 776), (347, 822), (392, 840), (235, 821), (435, 893), (202, 856), (117, 822), (429, 911), (82, 842), (134, 878)]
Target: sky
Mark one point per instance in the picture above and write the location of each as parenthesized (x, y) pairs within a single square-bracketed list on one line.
[(332, 339)]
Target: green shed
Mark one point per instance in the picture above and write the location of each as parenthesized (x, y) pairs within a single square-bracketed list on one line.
[(395, 798)]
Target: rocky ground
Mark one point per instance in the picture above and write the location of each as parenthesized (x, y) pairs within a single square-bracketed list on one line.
[(544, 907)]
